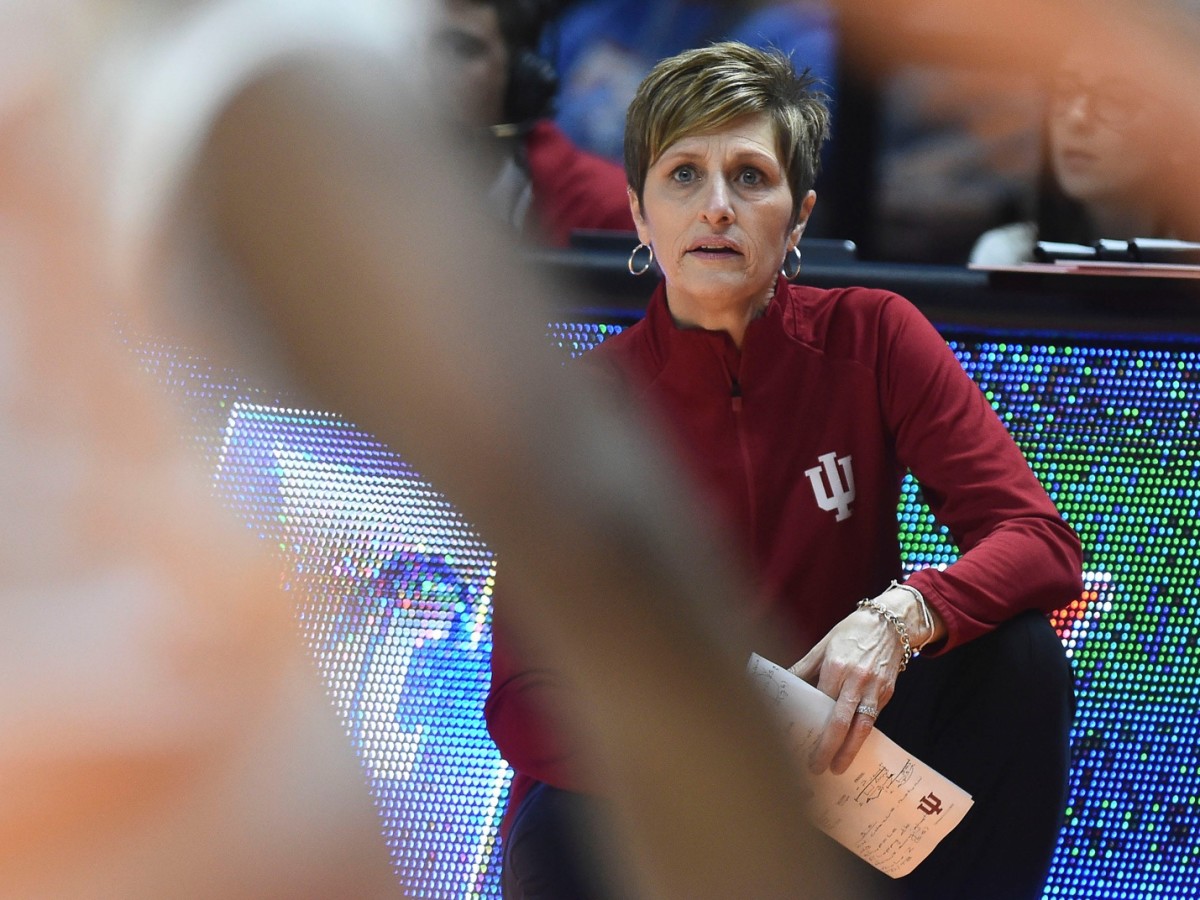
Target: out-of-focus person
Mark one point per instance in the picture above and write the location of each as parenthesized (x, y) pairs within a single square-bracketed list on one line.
[(489, 79), (797, 412), (242, 177), (603, 49), (1109, 168), (164, 732)]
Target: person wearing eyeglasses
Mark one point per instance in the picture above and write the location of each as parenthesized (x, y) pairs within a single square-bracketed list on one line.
[(1107, 155)]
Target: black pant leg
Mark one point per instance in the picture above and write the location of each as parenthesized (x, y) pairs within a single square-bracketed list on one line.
[(546, 855), (994, 716)]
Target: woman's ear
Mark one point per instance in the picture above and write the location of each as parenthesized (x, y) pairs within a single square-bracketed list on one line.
[(639, 221), (806, 208)]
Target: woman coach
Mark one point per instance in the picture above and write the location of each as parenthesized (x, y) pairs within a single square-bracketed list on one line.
[(797, 412)]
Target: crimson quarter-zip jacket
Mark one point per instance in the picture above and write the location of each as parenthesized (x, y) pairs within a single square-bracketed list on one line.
[(798, 443)]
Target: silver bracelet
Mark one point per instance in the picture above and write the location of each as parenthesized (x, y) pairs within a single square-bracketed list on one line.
[(894, 620), (926, 615)]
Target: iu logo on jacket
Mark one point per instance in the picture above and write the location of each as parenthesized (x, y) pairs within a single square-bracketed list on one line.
[(833, 484)]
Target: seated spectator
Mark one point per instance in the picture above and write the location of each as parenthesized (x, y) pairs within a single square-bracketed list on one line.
[(1101, 176), (603, 49), (489, 80)]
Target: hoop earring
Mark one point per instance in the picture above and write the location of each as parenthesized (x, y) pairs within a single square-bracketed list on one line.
[(796, 271), (633, 256)]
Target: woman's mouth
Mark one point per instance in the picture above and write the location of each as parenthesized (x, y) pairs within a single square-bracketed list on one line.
[(714, 250)]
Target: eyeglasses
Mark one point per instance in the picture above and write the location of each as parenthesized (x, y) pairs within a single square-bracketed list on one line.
[(1109, 104)]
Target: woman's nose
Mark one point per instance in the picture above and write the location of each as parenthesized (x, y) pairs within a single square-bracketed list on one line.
[(717, 208)]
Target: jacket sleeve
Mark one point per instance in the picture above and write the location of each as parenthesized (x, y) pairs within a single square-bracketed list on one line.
[(573, 189), (520, 711), (1016, 552)]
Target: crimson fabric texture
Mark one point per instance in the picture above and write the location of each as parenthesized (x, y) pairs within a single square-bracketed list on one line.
[(573, 189)]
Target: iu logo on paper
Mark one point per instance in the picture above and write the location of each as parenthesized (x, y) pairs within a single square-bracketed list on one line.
[(931, 805), (833, 484)]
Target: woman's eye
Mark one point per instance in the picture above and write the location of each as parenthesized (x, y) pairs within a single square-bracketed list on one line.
[(750, 177), (684, 175)]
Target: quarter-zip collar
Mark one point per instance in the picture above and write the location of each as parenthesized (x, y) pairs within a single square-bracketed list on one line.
[(670, 342), (662, 321)]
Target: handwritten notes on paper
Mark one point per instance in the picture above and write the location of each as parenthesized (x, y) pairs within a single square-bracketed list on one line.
[(888, 807)]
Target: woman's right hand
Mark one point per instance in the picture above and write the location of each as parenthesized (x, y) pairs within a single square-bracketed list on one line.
[(857, 664)]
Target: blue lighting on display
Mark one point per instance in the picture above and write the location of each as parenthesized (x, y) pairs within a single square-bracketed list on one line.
[(392, 590)]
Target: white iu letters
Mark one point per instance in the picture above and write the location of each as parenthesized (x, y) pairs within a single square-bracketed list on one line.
[(836, 490)]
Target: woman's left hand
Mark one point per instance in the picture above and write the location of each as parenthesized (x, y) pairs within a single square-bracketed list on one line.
[(856, 664)]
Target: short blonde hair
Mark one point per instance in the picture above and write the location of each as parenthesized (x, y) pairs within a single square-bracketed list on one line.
[(701, 90)]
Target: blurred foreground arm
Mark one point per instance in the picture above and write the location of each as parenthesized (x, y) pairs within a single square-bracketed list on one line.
[(359, 240)]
